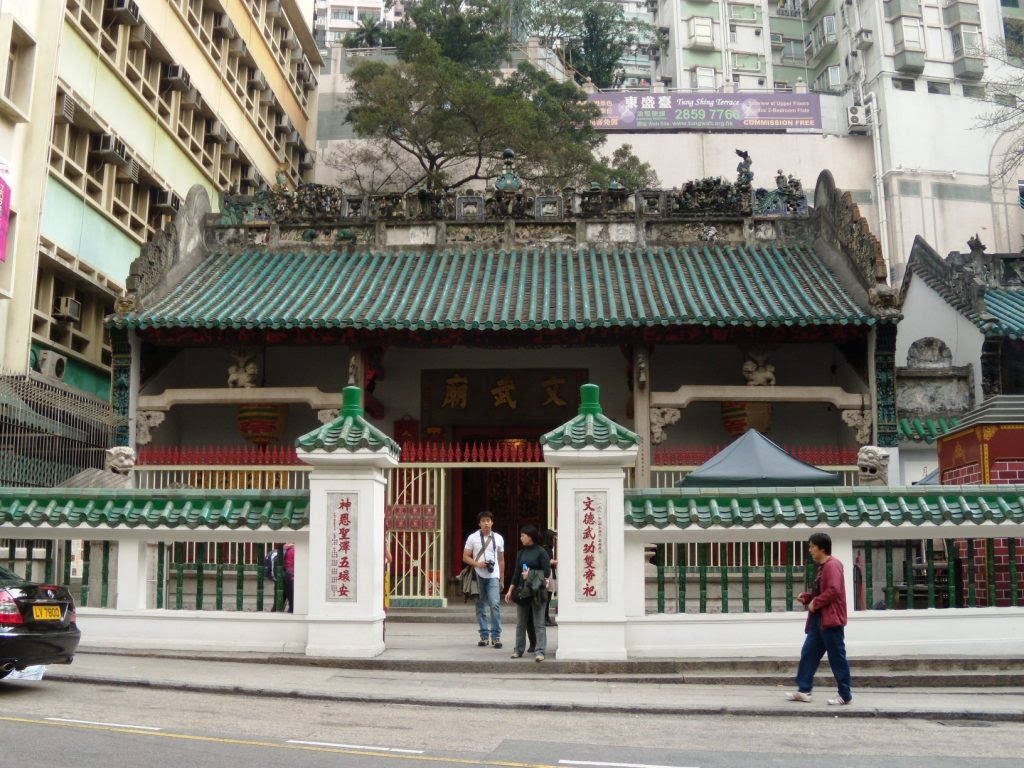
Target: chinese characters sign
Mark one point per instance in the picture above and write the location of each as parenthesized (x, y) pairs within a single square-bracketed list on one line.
[(410, 517), (626, 111), (591, 545), (542, 397), (342, 511)]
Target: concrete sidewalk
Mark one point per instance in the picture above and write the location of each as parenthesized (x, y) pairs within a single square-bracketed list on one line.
[(430, 663)]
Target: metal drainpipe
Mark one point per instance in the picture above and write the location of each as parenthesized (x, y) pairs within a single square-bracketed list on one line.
[(723, 12), (876, 140)]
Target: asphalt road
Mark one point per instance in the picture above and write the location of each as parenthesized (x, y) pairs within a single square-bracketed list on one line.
[(83, 726)]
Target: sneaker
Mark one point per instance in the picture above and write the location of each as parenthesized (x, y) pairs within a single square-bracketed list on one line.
[(838, 701), (539, 657), (497, 643), (484, 641), (798, 696), (517, 655)]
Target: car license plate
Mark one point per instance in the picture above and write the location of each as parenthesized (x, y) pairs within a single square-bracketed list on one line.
[(46, 612)]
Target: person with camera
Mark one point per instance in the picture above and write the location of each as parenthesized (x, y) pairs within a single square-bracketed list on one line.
[(485, 553)]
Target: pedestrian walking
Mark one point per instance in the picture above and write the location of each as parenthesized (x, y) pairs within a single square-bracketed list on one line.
[(485, 552), (533, 569), (824, 628)]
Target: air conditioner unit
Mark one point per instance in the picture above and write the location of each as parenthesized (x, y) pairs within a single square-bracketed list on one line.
[(283, 124), (129, 171), (252, 176), (266, 96), (222, 27), (66, 109), (216, 132), (229, 149), (164, 200), (301, 72), (176, 78), (293, 139), (285, 34), (863, 39), (258, 81), (123, 11), (49, 363), (273, 10), (141, 37), (68, 308), (306, 163), (238, 47), (109, 149), (757, 31), (858, 118), (191, 100)]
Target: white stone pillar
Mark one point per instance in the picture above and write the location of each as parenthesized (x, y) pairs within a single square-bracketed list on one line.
[(132, 574), (344, 578), (590, 454)]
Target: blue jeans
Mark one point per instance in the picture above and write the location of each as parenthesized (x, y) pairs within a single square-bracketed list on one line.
[(817, 643), (490, 597)]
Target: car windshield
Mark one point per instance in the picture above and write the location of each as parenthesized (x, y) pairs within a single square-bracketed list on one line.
[(6, 575)]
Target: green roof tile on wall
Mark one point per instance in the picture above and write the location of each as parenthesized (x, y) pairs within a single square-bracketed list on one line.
[(181, 508), (590, 428), (788, 507), (349, 432)]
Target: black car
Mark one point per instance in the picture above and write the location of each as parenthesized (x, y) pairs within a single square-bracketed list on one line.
[(37, 624)]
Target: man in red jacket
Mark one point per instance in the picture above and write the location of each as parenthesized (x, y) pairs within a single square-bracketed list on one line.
[(826, 617)]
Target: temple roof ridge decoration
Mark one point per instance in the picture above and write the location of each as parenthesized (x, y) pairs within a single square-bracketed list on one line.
[(350, 431), (986, 288)]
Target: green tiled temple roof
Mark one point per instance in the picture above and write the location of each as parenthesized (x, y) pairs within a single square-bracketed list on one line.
[(788, 507), (764, 285), (179, 508), (350, 431), (1007, 307), (924, 430)]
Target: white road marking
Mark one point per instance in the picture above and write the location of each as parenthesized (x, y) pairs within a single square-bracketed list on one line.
[(354, 746), (619, 765), (111, 725)]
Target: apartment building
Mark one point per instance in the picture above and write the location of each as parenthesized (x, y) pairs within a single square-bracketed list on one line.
[(111, 111), (336, 18)]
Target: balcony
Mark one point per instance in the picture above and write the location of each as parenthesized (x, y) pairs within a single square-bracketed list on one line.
[(701, 42), (960, 13), (968, 66), (908, 60), (896, 8)]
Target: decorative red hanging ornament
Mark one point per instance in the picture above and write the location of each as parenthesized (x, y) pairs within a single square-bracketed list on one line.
[(737, 418), (262, 423)]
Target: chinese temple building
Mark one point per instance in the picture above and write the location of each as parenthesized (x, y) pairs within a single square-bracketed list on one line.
[(470, 322)]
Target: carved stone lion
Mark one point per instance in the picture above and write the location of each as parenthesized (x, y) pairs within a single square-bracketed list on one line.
[(244, 372), (872, 466), (120, 459)]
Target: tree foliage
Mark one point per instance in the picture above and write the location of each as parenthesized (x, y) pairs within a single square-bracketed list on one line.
[(455, 121), (591, 36), (475, 34), (625, 168), (1005, 112)]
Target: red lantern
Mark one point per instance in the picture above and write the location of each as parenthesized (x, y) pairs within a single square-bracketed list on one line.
[(262, 423), (737, 418)]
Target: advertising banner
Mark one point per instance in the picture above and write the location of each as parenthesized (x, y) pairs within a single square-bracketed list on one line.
[(703, 111)]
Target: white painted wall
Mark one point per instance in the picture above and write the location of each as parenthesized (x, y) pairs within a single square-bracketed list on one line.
[(926, 314)]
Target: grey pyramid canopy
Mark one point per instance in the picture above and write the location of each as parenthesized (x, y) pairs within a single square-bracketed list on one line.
[(754, 460)]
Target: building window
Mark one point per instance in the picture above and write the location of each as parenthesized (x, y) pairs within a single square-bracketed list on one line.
[(792, 50), (17, 72), (974, 91), (966, 41), (1013, 31), (732, 33), (904, 84), (908, 35), (1010, 3), (704, 78), (828, 80), (1005, 99), (341, 14), (701, 30), (940, 88)]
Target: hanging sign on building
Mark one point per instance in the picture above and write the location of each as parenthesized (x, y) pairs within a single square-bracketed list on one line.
[(544, 397), (631, 111), (342, 512), (591, 546)]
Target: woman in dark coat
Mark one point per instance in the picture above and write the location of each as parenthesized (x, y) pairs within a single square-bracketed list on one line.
[(533, 566)]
